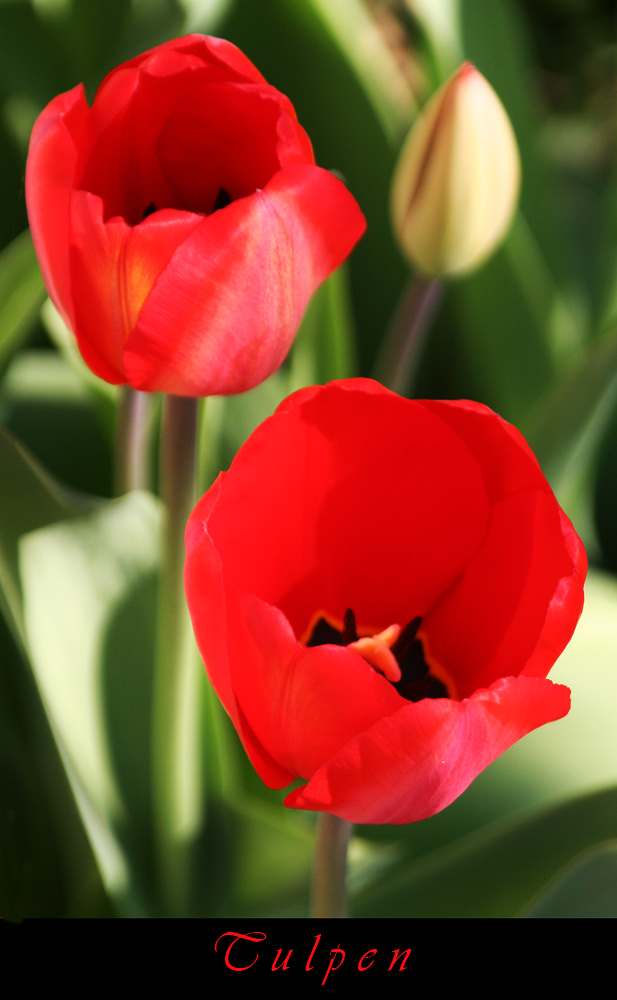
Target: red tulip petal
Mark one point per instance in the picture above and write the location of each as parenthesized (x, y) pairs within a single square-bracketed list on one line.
[(489, 624), (413, 764), (508, 463), (113, 268), (170, 101), (565, 607), (217, 55), (357, 505), (235, 294), (50, 173), (244, 133), (302, 704)]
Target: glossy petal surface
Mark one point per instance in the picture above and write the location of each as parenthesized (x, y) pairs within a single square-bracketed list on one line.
[(352, 497), (181, 222)]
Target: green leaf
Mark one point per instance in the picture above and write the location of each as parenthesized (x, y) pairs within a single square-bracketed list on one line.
[(29, 499), (373, 61), (89, 612), (587, 887), (493, 873), (570, 416), (21, 294)]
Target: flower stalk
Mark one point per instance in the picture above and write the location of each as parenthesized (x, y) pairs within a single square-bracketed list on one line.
[(175, 746), (400, 354), (133, 471), (329, 896)]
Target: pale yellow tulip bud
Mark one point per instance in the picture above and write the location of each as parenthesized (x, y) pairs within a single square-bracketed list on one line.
[(457, 180)]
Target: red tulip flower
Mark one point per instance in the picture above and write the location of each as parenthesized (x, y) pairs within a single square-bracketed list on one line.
[(181, 223), (379, 588)]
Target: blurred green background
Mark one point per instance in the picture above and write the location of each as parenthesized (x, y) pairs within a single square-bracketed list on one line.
[(532, 334)]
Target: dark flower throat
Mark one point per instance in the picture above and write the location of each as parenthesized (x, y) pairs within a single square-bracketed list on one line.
[(416, 681), (222, 200)]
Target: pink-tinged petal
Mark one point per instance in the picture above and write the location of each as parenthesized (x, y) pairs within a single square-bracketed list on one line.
[(413, 764), (50, 173), (490, 622), (113, 268), (353, 501), (235, 294)]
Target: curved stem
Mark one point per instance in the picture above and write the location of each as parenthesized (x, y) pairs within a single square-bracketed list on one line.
[(175, 734), (398, 359), (329, 871), (132, 470)]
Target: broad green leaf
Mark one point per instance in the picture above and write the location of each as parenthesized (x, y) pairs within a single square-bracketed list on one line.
[(493, 873), (203, 15), (21, 294), (29, 499), (46, 406), (587, 887), (568, 418), (272, 860), (440, 20), (89, 614), (373, 61), (46, 866), (489, 341)]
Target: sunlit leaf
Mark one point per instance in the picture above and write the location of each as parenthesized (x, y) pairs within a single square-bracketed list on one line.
[(21, 294), (88, 609), (494, 873), (568, 418), (587, 887)]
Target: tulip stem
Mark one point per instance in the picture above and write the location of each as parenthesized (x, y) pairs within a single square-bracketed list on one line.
[(132, 442), (402, 347), (175, 733), (328, 890)]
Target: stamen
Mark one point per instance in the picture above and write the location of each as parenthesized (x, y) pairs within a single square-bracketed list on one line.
[(378, 654), (150, 209)]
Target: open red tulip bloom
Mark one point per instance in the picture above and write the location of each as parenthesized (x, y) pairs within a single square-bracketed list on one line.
[(180, 222), (379, 588)]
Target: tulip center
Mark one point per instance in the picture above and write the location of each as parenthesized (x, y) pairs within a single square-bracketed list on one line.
[(397, 653), (222, 200)]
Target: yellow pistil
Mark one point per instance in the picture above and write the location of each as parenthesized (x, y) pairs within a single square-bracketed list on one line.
[(377, 651)]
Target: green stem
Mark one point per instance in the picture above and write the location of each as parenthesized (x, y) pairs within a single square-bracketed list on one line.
[(132, 442), (176, 705), (329, 870), (398, 359)]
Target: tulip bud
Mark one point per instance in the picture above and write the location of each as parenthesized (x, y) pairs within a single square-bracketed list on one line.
[(457, 179)]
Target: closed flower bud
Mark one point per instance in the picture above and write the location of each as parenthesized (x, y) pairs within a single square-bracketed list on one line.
[(457, 180)]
